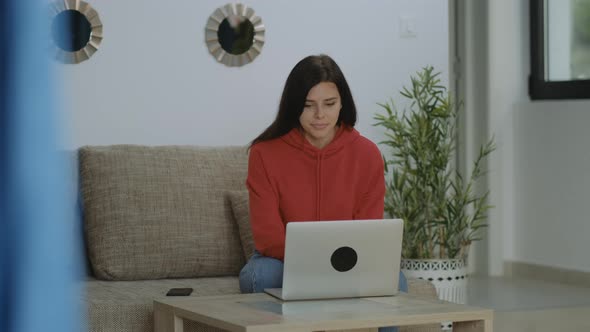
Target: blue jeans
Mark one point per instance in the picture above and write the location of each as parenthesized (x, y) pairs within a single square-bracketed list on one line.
[(266, 272)]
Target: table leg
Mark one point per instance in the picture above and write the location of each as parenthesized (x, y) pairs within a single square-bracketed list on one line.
[(166, 321), (473, 326)]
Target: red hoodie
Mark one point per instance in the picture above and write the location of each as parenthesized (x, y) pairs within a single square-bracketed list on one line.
[(291, 180)]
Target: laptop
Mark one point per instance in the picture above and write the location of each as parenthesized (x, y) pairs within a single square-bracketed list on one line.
[(341, 259)]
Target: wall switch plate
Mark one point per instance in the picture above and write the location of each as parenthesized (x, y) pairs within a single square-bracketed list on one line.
[(407, 27)]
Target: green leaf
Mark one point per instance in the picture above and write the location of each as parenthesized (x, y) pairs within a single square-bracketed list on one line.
[(441, 208)]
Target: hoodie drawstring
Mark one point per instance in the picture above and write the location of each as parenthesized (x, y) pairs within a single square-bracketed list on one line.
[(344, 137), (318, 185)]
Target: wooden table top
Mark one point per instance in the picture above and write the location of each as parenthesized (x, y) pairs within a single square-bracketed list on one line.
[(262, 312)]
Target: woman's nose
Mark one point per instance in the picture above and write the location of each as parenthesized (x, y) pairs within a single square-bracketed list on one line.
[(319, 113)]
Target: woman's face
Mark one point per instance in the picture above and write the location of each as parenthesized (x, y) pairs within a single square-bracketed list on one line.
[(320, 114)]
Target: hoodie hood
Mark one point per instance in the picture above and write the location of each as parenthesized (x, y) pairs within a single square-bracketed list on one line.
[(344, 136)]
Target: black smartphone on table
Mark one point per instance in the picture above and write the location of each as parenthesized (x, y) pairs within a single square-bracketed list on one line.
[(179, 292)]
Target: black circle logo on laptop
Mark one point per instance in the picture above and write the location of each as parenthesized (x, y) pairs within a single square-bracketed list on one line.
[(344, 259)]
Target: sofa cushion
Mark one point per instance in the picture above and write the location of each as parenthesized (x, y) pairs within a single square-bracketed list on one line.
[(161, 212), (241, 211), (128, 305)]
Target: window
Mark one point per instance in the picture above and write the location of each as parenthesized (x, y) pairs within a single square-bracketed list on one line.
[(560, 49)]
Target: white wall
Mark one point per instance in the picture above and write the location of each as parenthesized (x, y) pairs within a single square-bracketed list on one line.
[(552, 184), (540, 174), (153, 81)]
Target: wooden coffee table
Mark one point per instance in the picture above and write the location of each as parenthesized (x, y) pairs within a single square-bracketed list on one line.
[(263, 313)]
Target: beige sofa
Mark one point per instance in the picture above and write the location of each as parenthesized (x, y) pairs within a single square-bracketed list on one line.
[(155, 218)]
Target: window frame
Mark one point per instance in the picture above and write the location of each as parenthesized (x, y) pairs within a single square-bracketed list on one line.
[(539, 87)]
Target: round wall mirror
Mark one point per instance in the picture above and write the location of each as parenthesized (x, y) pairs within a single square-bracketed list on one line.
[(236, 37), (234, 34), (76, 31)]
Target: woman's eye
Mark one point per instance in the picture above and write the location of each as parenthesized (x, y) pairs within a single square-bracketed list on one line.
[(307, 106), (331, 104)]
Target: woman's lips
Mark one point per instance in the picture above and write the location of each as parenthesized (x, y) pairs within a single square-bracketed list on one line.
[(319, 125)]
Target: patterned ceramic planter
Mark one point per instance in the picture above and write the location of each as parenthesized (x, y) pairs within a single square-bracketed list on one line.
[(449, 277)]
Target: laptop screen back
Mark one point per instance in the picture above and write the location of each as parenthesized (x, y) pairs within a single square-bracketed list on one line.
[(337, 259)]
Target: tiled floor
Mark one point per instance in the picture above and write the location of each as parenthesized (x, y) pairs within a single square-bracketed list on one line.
[(532, 305)]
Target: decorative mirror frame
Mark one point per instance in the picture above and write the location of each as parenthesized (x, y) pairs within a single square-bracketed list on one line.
[(211, 37), (95, 31)]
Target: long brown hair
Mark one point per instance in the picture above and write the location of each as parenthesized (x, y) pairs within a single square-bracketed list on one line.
[(305, 75)]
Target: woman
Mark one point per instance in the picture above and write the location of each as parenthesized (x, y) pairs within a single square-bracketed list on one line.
[(309, 164)]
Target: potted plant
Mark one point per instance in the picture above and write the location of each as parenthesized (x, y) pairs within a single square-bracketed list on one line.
[(443, 212)]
